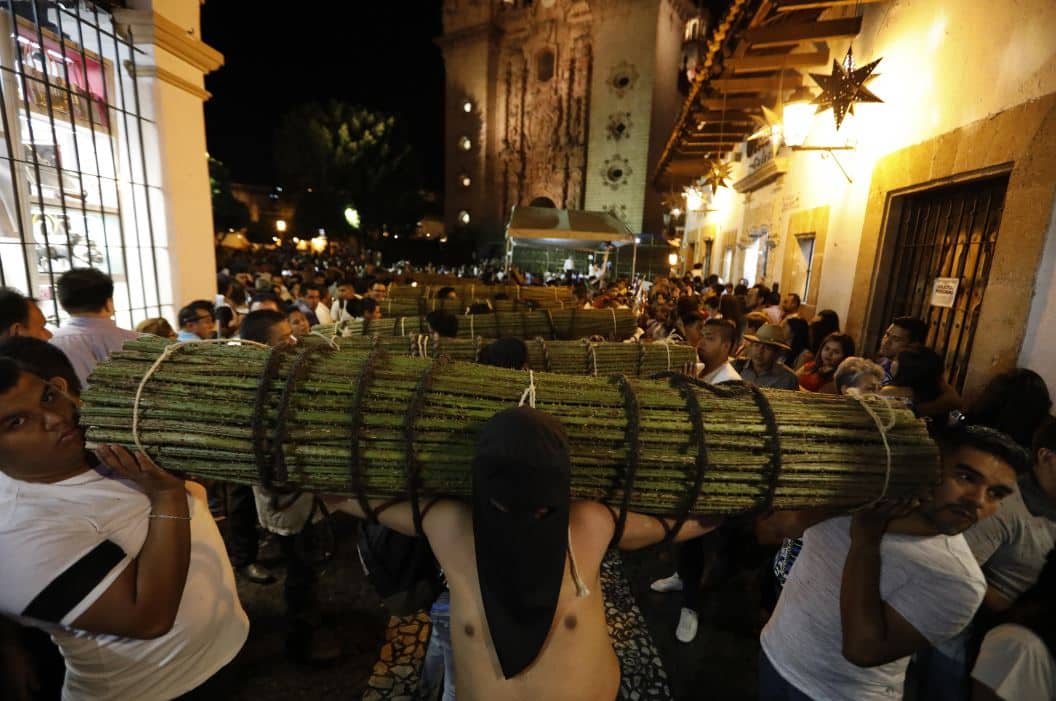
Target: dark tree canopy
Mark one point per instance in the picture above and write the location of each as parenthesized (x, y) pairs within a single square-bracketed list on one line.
[(336, 155), (228, 213)]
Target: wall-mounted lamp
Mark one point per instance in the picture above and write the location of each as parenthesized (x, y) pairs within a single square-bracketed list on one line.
[(797, 117)]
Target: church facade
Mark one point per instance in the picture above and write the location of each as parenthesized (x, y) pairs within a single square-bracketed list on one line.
[(566, 101)]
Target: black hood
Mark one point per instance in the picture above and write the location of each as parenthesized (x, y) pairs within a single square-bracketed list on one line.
[(521, 479)]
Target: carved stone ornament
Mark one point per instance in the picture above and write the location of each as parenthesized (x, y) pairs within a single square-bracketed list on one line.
[(619, 126), (615, 172), (617, 210), (623, 77)]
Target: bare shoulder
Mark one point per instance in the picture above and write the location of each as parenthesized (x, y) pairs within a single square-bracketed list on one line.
[(592, 521), (447, 519)]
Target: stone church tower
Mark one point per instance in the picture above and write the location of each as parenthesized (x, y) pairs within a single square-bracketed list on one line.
[(568, 100)]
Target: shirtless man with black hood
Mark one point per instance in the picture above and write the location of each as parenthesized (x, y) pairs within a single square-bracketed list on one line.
[(523, 563)]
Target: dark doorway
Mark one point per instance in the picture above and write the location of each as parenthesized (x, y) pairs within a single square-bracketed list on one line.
[(943, 232)]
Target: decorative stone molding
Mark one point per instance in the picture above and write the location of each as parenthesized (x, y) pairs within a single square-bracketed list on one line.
[(619, 126), (147, 27), (764, 175), (622, 78), (167, 77), (616, 172)]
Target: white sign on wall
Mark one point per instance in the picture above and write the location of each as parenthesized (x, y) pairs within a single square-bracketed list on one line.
[(944, 291)]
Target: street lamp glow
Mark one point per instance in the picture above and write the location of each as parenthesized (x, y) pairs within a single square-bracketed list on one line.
[(463, 217), (280, 225), (796, 117), (672, 258), (467, 106), (465, 180), (465, 143), (352, 217)]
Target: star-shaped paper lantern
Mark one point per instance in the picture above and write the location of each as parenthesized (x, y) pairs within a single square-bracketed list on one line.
[(769, 127), (844, 87), (717, 174)]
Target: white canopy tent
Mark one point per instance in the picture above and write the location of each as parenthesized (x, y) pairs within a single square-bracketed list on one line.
[(571, 229)]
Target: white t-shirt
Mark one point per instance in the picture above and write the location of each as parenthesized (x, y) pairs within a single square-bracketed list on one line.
[(723, 373), (932, 581), (83, 532), (1015, 664)]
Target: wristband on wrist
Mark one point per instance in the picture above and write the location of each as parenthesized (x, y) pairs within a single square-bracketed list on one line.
[(174, 518)]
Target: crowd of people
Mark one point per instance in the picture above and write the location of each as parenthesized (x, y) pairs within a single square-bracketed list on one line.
[(121, 563)]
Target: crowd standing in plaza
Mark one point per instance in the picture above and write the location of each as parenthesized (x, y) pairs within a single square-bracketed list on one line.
[(121, 563)]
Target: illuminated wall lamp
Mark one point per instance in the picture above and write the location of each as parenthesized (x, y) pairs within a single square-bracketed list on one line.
[(796, 118)]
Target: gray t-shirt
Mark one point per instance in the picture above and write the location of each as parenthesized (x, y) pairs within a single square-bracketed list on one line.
[(780, 376), (1012, 545), (932, 581)]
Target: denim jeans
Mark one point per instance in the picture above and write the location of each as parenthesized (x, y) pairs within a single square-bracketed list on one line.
[(439, 659), (773, 687)]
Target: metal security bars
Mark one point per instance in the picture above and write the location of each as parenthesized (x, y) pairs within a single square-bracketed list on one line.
[(947, 232), (78, 159)]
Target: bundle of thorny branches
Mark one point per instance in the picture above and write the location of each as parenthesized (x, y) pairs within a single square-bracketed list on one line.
[(380, 423)]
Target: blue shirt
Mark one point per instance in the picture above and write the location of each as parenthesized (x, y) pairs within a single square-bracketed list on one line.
[(184, 336), (88, 341)]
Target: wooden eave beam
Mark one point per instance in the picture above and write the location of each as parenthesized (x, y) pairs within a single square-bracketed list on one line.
[(796, 5), (717, 117), (795, 32), (776, 62), (750, 85), (731, 103)]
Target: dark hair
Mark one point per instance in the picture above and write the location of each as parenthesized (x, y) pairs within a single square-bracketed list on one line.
[(84, 290), (740, 289), (795, 296), (257, 325), (40, 358), (988, 440), (727, 327), (692, 318), (223, 284), (821, 328), (798, 337), (443, 292), (916, 328), (479, 308), (1016, 402), (773, 299), (732, 308), (919, 370), (365, 306), (509, 353), (753, 321), (265, 296), (224, 316), (189, 314), (444, 323), (14, 309), (1045, 436), (685, 305)]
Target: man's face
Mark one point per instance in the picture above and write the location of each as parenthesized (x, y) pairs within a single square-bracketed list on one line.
[(378, 291), (372, 316), (693, 332), (896, 339), (204, 327), (973, 484), (299, 323), (763, 357), (712, 348), (245, 278), (789, 304), (346, 292), (312, 297), (280, 333), (39, 437), (36, 324)]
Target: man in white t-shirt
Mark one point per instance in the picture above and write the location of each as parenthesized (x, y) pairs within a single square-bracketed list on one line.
[(871, 589), (120, 561), (717, 339)]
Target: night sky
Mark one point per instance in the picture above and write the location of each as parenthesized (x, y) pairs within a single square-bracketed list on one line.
[(375, 54)]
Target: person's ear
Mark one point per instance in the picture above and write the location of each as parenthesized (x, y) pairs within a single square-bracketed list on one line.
[(63, 386), (1046, 459), (110, 309)]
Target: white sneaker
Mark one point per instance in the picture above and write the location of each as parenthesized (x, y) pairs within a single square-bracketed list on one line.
[(687, 626), (672, 583)]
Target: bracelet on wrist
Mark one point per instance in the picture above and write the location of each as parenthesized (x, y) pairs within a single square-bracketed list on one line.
[(174, 518)]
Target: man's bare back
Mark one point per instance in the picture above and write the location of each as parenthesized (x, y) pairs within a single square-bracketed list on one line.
[(577, 661)]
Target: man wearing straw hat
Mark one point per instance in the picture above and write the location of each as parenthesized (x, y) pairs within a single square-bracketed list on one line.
[(764, 367), (523, 565)]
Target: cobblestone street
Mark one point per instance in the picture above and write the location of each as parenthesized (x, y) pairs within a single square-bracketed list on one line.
[(382, 655)]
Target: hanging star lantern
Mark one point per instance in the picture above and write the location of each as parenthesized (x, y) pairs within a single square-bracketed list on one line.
[(718, 173), (844, 87), (769, 127)]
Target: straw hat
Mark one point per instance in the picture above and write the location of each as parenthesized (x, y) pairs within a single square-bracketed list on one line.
[(770, 335)]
